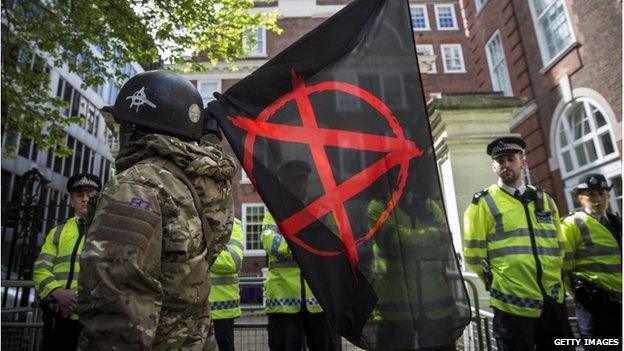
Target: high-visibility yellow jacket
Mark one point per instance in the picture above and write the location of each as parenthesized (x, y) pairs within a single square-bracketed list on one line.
[(409, 265), (592, 253), (224, 293), (282, 287), (59, 255), (524, 249)]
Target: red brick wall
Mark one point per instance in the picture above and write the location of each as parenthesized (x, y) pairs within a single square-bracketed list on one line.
[(445, 82)]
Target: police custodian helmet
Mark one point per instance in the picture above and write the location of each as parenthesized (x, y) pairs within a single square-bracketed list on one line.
[(163, 101)]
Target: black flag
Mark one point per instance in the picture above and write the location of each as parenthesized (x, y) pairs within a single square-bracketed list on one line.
[(368, 229)]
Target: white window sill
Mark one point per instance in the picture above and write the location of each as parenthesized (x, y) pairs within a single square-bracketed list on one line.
[(453, 28), (559, 57), (455, 72), (421, 29)]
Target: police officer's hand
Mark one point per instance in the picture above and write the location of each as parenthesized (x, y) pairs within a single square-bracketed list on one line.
[(66, 299)]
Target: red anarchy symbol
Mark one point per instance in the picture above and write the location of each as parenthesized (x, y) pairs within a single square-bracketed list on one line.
[(399, 152)]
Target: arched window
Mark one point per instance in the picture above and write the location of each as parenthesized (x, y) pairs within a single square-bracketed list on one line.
[(585, 142)]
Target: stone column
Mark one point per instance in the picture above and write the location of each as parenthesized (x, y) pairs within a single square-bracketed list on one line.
[(462, 125)]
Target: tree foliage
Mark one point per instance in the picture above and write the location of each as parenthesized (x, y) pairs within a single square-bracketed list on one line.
[(95, 39)]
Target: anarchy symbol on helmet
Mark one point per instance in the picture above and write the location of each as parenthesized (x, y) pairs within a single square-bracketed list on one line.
[(139, 98)]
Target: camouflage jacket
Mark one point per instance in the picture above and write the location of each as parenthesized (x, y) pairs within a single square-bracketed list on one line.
[(144, 280)]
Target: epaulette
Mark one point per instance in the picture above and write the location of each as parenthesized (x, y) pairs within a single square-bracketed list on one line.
[(478, 195)]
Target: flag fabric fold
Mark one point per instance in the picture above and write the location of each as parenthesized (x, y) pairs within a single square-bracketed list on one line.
[(366, 224)]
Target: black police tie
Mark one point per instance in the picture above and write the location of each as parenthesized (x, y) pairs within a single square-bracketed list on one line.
[(517, 193)]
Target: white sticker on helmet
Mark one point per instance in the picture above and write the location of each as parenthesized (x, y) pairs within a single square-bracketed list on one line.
[(194, 113), (139, 99)]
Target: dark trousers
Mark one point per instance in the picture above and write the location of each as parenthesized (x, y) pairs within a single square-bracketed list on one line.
[(600, 319), (224, 333), (60, 333), (517, 333), (286, 331)]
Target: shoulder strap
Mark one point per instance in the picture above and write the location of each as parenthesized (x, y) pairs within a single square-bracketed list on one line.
[(180, 175), (477, 196)]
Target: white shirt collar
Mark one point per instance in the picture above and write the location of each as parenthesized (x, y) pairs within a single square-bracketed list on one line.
[(510, 189), (593, 214)]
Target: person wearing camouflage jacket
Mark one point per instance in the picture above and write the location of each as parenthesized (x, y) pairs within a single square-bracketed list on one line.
[(157, 227)]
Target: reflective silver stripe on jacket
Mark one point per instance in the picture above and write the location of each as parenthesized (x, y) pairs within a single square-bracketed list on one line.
[(498, 216), (57, 234), (475, 244), (590, 248), (47, 257), (236, 243), (580, 223), (542, 233), (63, 259), (224, 280), (282, 264), (235, 256), (517, 250), (65, 276), (45, 282), (599, 268)]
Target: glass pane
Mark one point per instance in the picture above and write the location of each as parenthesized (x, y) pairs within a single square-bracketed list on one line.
[(567, 161), (540, 5), (580, 155), (600, 120), (554, 25), (563, 140), (591, 151), (576, 121), (607, 144)]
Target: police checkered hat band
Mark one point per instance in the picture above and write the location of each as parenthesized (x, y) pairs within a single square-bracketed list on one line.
[(505, 146), (83, 180)]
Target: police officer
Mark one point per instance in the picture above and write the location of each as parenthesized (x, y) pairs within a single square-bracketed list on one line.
[(291, 307), (56, 270), (513, 241), (415, 305), (225, 293), (594, 242), (158, 225)]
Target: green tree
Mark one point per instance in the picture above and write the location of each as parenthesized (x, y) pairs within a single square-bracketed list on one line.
[(95, 39)]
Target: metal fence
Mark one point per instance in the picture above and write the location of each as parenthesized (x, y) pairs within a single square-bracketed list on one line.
[(21, 327)]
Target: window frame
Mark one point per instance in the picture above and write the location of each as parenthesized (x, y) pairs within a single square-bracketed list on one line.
[(503, 62), (437, 15), (426, 14), (244, 208), (548, 61), (262, 52), (434, 67), (199, 84), (463, 64), (563, 122), (480, 4)]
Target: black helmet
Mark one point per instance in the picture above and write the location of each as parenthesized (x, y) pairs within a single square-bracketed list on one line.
[(163, 101)]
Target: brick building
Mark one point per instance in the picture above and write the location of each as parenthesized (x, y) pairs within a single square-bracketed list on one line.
[(549, 53)]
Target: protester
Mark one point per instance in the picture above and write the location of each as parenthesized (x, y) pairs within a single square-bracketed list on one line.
[(159, 224)]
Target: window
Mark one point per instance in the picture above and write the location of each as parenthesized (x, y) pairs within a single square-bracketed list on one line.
[(253, 214), (254, 42), (553, 27), (584, 137), (497, 64), (427, 50), (420, 18), (480, 4), (207, 88), (244, 177), (452, 58), (445, 17)]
